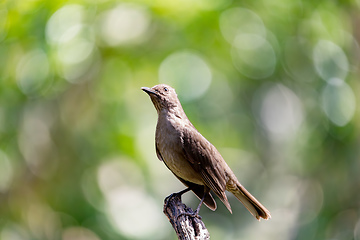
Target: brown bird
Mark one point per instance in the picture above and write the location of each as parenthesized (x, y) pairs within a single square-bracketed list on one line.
[(192, 158)]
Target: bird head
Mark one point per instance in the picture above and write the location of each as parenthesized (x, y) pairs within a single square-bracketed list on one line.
[(163, 97)]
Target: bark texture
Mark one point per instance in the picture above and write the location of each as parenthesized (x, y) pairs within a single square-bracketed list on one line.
[(186, 225)]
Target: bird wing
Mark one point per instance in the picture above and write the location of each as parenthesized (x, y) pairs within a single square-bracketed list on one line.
[(206, 160)]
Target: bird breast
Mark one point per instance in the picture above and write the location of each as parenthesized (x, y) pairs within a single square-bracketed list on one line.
[(169, 143)]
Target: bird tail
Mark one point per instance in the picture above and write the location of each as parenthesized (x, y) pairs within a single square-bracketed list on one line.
[(250, 202)]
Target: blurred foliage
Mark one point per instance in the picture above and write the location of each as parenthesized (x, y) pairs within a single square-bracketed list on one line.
[(274, 85)]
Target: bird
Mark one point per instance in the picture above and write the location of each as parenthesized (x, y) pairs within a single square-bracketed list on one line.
[(192, 158)]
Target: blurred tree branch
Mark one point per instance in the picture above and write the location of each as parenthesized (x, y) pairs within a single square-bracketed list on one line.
[(183, 220)]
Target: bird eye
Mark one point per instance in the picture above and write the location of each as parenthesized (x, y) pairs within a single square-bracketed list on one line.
[(166, 89)]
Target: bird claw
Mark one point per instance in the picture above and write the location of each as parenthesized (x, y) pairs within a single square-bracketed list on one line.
[(189, 214), (177, 194), (168, 198)]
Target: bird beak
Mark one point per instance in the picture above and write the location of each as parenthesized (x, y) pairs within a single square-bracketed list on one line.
[(149, 90)]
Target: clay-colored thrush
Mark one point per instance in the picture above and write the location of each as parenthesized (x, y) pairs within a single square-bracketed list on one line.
[(192, 158)]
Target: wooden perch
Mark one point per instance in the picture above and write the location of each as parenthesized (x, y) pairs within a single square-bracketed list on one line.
[(187, 226)]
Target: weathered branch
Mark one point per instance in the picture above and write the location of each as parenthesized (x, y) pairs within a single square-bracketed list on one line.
[(187, 226)]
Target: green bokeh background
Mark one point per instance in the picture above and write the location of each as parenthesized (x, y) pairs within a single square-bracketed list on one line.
[(274, 85)]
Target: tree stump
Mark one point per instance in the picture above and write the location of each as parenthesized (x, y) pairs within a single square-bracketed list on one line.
[(186, 225)]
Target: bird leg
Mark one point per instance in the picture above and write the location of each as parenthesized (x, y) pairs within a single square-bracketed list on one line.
[(198, 208), (196, 213)]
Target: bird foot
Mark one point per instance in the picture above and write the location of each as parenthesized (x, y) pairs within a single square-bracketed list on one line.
[(168, 198), (171, 196), (177, 194)]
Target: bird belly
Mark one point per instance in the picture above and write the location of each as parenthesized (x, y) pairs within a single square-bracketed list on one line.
[(181, 168), (169, 144), (175, 160)]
